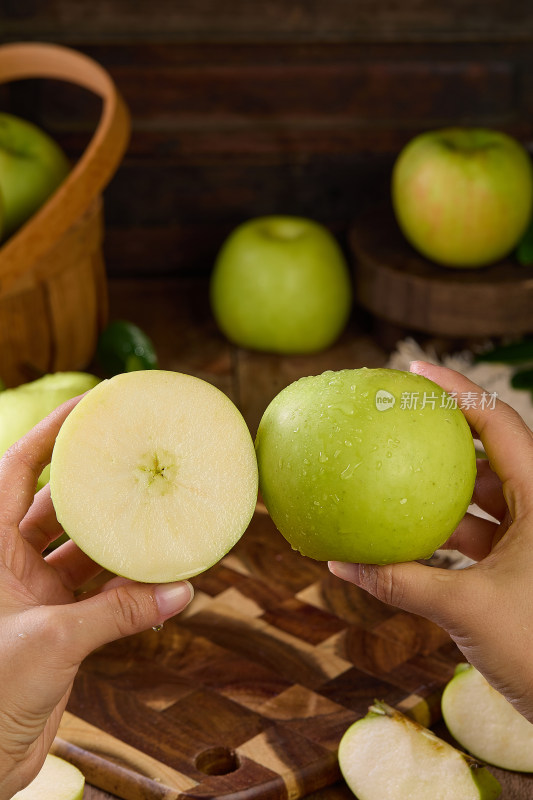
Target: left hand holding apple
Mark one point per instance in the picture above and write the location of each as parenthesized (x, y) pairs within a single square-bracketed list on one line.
[(45, 634), (486, 608)]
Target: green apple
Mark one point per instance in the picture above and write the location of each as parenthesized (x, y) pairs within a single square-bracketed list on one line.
[(32, 165), (387, 755), (57, 780), (24, 406), (281, 284), (154, 475), (463, 197), (485, 723), (365, 465)]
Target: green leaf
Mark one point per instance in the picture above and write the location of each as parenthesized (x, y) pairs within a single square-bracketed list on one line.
[(516, 352), (523, 379), (524, 250)]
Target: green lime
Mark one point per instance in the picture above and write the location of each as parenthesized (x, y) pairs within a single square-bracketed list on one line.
[(124, 347)]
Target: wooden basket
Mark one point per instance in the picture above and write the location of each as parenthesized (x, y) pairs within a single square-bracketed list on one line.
[(53, 289)]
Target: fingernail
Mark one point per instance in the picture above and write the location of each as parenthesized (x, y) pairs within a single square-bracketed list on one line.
[(348, 572), (173, 597)]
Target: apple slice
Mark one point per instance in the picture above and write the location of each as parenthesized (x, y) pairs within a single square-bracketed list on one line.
[(485, 723), (57, 780), (385, 754), (154, 475)]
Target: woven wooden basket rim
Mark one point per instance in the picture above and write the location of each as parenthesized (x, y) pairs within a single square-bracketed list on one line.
[(88, 176)]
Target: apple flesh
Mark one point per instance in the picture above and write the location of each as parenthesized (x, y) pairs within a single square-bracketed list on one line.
[(24, 406), (463, 197), (154, 475), (32, 165), (485, 723), (282, 285), (349, 472), (387, 755), (57, 780)]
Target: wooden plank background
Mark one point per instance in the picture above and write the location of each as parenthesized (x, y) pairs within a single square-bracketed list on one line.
[(245, 108)]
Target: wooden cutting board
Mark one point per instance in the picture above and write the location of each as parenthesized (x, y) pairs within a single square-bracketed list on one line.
[(247, 694)]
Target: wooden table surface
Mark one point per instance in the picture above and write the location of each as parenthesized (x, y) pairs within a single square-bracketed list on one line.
[(176, 315)]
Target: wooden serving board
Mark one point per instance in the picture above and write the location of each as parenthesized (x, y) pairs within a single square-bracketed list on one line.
[(248, 692)]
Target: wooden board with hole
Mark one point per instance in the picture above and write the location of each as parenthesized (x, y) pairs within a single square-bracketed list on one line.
[(248, 692)]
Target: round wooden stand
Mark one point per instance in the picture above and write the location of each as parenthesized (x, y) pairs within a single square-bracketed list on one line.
[(399, 286)]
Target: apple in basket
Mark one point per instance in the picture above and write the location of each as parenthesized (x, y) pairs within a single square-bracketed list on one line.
[(32, 165), (281, 284), (463, 197), (154, 475), (365, 465)]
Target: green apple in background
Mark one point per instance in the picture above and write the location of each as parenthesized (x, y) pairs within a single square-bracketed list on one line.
[(387, 755), (365, 465), (463, 197), (281, 284), (32, 166), (485, 723), (26, 405), (154, 475)]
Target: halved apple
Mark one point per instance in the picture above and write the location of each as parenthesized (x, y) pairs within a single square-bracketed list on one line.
[(485, 723), (387, 755), (57, 780), (154, 475)]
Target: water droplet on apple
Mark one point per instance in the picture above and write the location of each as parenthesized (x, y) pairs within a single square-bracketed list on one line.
[(378, 465), (403, 501), (322, 457), (347, 443), (336, 454), (347, 473), (389, 454)]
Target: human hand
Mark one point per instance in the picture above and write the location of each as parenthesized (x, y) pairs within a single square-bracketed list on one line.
[(486, 608), (45, 632)]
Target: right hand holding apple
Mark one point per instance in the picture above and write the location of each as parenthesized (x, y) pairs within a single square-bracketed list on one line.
[(486, 608)]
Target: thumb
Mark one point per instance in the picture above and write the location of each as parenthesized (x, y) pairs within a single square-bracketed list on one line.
[(427, 591), (122, 608)]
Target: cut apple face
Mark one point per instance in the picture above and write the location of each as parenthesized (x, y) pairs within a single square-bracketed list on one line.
[(154, 475), (57, 780), (386, 754), (485, 723)]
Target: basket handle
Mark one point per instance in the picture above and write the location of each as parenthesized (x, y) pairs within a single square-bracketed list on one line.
[(93, 170)]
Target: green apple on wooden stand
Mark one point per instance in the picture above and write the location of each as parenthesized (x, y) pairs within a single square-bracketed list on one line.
[(463, 197)]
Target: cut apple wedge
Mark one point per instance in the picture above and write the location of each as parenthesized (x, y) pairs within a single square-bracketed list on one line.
[(57, 780), (485, 723), (154, 475), (387, 755)]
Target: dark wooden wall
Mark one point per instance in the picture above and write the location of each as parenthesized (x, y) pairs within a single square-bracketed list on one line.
[(246, 107)]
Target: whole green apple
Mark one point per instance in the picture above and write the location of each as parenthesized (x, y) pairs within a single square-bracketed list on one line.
[(463, 197), (26, 405), (281, 284), (32, 166), (365, 465)]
